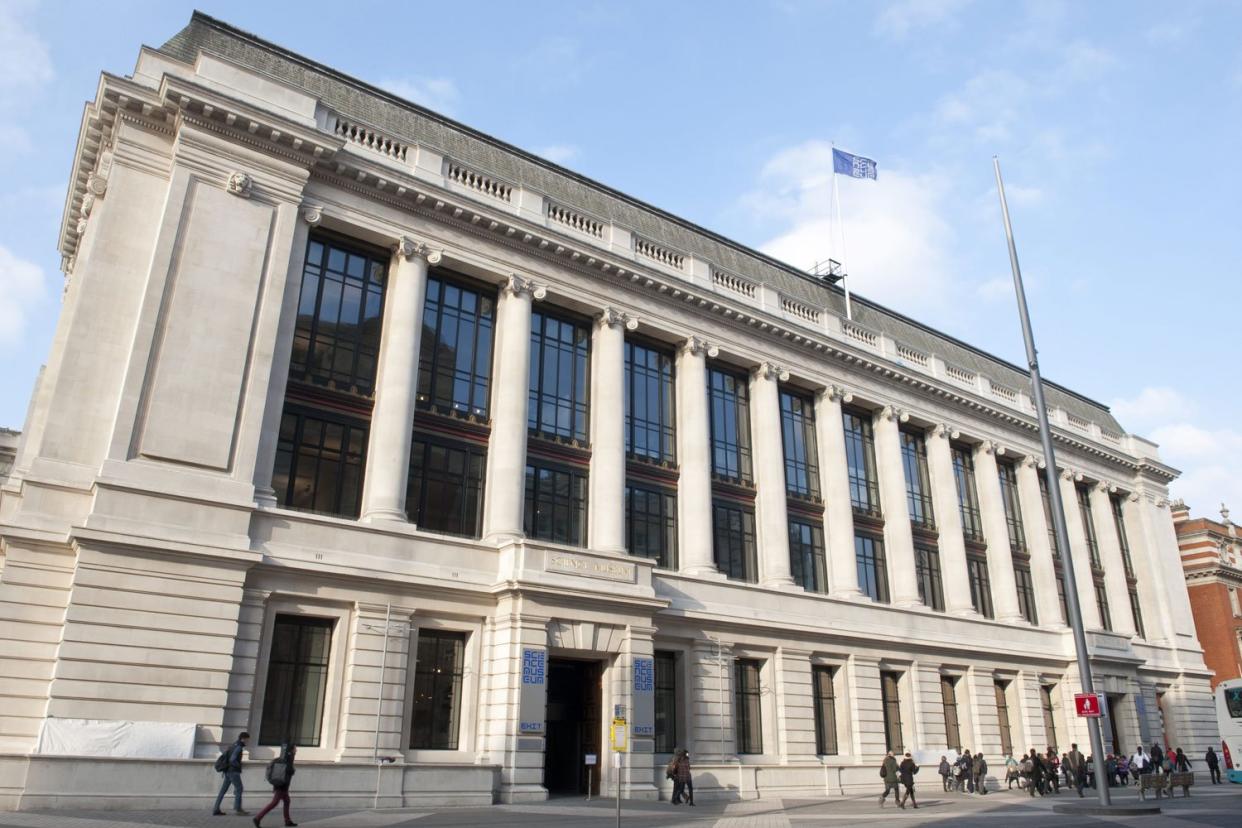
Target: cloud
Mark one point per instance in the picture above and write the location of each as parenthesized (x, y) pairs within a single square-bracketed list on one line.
[(558, 153), (437, 94), (895, 235), (901, 18), (21, 289), (25, 69), (1208, 455), (1171, 32)]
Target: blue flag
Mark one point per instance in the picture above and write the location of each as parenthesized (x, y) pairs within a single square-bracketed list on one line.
[(855, 166)]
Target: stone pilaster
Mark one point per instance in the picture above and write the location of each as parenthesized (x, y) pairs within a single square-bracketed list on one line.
[(607, 482), (1043, 571), (795, 711), (834, 477), (996, 530), (898, 540), (949, 522), (396, 384), (1081, 554), (1110, 557), (514, 707), (711, 700), (772, 520), (866, 707), (506, 454), (694, 496)]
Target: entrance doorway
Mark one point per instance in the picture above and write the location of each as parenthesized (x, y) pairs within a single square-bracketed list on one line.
[(1114, 713), (573, 725)]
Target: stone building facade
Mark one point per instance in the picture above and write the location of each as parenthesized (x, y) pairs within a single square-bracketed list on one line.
[(369, 431), (1212, 559)]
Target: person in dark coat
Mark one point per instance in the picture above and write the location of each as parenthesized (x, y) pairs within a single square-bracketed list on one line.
[(1037, 781), (1181, 763), (906, 772), (1077, 764), (233, 775), (1052, 766), (279, 774), (683, 783), (981, 773), (966, 766), (888, 771), (946, 771), (1157, 757), (1213, 763)]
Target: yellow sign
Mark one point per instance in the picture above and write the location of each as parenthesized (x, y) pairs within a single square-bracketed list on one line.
[(619, 735)]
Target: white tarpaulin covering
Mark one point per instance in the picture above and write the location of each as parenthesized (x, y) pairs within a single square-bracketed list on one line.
[(101, 737)]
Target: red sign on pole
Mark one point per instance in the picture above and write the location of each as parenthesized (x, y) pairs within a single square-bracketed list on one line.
[(1089, 705)]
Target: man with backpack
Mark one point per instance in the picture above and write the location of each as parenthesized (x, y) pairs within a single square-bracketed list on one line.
[(229, 763), (279, 774), (888, 772)]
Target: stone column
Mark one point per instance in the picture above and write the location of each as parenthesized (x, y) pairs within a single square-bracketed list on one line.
[(710, 700), (834, 477), (1043, 572), (1110, 557), (694, 495), (396, 382), (996, 530), (898, 540), (506, 453), (771, 518), (949, 522), (607, 483), (1082, 555)]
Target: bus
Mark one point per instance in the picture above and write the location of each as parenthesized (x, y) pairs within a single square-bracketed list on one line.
[(1229, 717)]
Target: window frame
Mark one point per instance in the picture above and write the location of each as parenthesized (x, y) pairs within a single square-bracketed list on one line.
[(1007, 473), (578, 400), (877, 562), (740, 451), (1024, 583), (1101, 601), (458, 677), (1003, 721), (948, 702), (919, 500), (980, 584), (1053, 543), (812, 551), (469, 719), (927, 572), (301, 412), (1048, 707), (967, 492), (890, 708), (471, 450), (743, 699), (827, 738), (667, 559), (797, 412), (664, 376), (859, 427), (579, 504), (1083, 496), (749, 540), (432, 374), (673, 670)]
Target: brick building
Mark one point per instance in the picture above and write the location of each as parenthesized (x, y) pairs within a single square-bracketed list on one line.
[(1212, 558)]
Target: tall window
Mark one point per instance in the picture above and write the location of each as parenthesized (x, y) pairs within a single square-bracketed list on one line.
[(927, 572), (1101, 599), (860, 462), (455, 358), (967, 493), (746, 705), (980, 586), (1053, 543), (1002, 717), (1088, 524), (798, 439), (437, 690), (1061, 599), (297, 681), (806, 555), (337, 334), (1008, 474), (320, 455), (918, 482), (952, 726), (649, 417), (1122, 538), (1137, 611), (559, 355), (445, 491), (872, 568), (1050, 723), (320, 459), (733, 526), (891, 700), (825, 710), (555, 504), (665, 702), (651, 524), (729, 397), (1026, 591)]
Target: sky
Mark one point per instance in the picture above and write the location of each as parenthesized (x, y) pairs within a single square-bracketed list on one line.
[(1117, 125)]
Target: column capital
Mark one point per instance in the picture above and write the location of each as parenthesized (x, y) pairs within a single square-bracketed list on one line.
[(1071, 475), (610, 317), (992, 447), (312, 214), (697, 346), (1104, 487), (407, 248), (835, 393), (946, 431), (769, 371), (1031, 461), (892, 412), (519, 285)]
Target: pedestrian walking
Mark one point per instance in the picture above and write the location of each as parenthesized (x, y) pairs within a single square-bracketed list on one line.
[(1110, 770), (683, 783), (981, 773), (230, 764), (279, 774), (1036, 783), (1052, 771), (966, 772), (1066, 776), (1140, 763), (1181, 764), (946, 771), (1012, 770), (1077, 764), (906, 772), (1157, 757), (888, 772), (1213, 763), (1123, 770)]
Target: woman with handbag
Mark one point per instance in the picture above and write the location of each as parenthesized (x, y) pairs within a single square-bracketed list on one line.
[(279, 774)]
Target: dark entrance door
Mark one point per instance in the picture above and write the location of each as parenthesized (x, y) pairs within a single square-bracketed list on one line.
[(573, 722), (1114, 707)]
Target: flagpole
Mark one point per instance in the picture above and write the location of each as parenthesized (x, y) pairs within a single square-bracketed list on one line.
[(1074, 610), (845, 267)]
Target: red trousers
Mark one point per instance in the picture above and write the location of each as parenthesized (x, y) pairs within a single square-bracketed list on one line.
[(279, 795)]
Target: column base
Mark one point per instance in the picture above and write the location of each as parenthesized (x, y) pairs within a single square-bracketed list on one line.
[(1012, 619), (265, 498), (709, 572), (502, 538), (965, 612), (909, 603), (783, 583), (384, 516), (849, 595)]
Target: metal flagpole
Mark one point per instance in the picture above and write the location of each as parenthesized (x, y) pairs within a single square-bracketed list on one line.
[(1054, 497), (845, 267)]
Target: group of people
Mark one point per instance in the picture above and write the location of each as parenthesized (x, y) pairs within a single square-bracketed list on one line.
[(1043, 773), (966, 774), (279, 774)]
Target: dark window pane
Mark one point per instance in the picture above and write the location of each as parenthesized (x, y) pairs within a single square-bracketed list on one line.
[(927, 572), (825, 711), (649, 413), (1050, 723), (665, 702), (455, 356), (729, 398), (555, 504), (872, 568), (980, 585), (445, 489), (559, 354), (297, 672), (1008, 474), (1088, 524), (733, 528), (747, 712), (952, 725), (437, 690), (651, 524), (890, 699), (918, 480), (806, 555), (1002, 717), (860, 462), (967, 493), (319, 462), (798, 439)]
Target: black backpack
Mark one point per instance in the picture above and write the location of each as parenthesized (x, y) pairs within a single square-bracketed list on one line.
[(222, 761)]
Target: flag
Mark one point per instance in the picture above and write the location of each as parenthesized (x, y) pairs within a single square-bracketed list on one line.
[(855, 166)]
